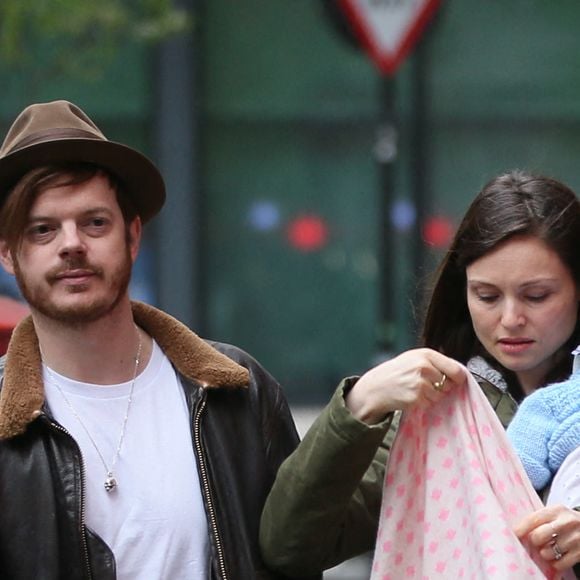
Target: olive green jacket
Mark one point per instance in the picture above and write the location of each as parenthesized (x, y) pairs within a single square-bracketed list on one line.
[(324, 506)]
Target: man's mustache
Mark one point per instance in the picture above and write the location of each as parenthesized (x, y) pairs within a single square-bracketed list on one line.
[(71, 264)]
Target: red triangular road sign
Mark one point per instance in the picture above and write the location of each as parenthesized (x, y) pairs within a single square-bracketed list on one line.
[(388, 29)]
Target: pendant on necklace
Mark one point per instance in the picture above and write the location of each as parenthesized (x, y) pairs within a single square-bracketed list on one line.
[(110, 482)]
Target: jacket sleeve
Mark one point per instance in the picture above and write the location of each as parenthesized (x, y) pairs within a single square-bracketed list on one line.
[(325, 503)]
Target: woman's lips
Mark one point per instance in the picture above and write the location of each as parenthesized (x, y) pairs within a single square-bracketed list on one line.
[(514, 345)]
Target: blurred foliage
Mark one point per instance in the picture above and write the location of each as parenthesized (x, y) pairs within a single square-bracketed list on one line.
[(80, 38)]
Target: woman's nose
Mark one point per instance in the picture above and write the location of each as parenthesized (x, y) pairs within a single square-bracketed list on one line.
[(512, 314)]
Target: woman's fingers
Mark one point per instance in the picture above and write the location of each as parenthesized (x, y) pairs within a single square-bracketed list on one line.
[(555, 532), (415, 377)]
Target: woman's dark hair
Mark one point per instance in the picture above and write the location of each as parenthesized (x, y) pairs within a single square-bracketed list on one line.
[(15, 210), (513, 204)]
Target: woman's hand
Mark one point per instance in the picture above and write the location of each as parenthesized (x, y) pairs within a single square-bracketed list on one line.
[(415, 377), (553, 530)]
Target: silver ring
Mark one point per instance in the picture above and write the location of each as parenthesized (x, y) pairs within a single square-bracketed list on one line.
[(556, 549), (438, 385)]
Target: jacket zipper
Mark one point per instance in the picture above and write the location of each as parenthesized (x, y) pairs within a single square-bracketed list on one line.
[(206, 488), (60, 428)]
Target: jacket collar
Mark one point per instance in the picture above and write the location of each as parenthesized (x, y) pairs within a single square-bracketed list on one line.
[(479, 366), (22, 393)]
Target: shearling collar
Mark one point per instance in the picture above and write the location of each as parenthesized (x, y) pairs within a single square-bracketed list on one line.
[(22, 394), (481, 367)]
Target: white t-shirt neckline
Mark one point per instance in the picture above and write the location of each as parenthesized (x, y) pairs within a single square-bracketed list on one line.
[(155, 521)]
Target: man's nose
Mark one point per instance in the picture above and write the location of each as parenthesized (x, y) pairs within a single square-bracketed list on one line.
[(71, 240)]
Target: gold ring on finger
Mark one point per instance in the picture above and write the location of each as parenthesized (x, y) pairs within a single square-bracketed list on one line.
[(438, 385)]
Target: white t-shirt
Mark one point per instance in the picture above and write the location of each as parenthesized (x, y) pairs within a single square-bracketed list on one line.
[(154, 521)]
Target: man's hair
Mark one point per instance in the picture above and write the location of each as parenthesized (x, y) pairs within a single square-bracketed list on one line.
[(15, 211)]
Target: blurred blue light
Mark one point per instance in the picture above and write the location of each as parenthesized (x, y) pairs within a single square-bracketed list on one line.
[(264, 216), (403, 215)]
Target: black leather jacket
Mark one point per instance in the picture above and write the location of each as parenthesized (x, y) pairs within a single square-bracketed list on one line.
[(241, 431)]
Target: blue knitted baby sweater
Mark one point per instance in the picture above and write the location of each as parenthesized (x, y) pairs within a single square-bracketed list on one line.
[(546, 428)]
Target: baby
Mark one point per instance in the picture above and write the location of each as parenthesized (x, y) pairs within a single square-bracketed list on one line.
[(545, 431)]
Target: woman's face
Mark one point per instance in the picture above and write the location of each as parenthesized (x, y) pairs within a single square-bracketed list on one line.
[(523, 304)]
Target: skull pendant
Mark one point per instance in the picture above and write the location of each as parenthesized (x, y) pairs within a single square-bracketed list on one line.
[(110, 482)]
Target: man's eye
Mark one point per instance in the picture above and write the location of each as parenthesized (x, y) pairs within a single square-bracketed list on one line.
[(98, 221), (96, 225), (40, 231)]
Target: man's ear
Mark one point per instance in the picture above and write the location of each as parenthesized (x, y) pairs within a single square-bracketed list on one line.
[(6, 257), (135, 231)]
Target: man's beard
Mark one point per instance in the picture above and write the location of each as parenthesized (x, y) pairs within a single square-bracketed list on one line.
[(78, 314)]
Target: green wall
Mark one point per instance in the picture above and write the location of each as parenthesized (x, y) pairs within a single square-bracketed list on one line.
[(289, 115), (291, 111)]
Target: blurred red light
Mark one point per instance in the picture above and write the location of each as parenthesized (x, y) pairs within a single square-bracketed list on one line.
[(307, 233), (438, 231)]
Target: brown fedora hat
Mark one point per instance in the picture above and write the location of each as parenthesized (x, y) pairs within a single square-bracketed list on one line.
[(60, 132)]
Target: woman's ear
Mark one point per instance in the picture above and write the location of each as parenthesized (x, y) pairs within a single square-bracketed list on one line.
[(6, 257)]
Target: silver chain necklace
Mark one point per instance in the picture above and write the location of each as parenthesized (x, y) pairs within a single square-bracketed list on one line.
[(110, 481)]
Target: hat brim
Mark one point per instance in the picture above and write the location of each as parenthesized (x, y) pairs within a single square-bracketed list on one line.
[(136, 172)]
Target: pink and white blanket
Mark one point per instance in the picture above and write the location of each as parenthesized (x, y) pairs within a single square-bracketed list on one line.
[(454, 488)]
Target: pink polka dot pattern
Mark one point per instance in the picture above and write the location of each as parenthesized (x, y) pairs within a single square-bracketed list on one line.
[(454, 489)]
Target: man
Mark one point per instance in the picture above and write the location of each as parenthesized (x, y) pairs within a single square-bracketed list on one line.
[(129, 447)]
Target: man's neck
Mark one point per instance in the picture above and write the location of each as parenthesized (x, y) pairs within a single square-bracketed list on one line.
[(99, 352)]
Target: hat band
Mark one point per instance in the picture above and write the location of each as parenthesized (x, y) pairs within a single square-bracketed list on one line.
[(54, 135)]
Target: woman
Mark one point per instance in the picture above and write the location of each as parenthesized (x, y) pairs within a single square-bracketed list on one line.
[(505, 304)]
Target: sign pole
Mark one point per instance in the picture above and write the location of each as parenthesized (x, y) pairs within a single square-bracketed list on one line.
[(386, 151), (388, 31)]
